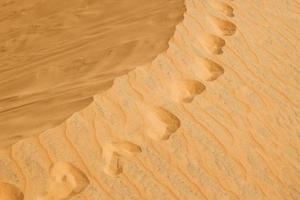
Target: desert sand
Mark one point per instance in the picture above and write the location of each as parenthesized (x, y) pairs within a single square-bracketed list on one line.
[(56, 55), (211, 112)]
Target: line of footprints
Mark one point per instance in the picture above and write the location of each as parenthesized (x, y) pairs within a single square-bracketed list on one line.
[(66, 180)]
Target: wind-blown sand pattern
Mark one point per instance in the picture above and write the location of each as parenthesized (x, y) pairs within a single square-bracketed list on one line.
[(214, 116), (56, 55)]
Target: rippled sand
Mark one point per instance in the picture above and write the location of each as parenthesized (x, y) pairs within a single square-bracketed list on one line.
[(214, 116), (55, 55)]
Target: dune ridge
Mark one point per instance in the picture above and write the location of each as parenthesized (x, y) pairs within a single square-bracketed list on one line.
[(193, 124)]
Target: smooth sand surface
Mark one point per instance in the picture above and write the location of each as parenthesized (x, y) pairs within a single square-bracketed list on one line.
[(55, 55), (215, 116)]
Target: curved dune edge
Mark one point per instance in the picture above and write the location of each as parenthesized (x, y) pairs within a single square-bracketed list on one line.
[(54, 57), (124, 130), (176, 76)]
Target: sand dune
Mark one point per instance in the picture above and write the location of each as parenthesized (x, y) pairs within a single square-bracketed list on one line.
[(56, 55), (214, 116)]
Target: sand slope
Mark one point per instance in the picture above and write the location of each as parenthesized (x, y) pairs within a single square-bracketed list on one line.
[(215, 116), (56, 55)]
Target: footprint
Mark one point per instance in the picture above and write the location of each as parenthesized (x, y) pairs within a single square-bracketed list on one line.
[(185, 91), (113, 151), (126, 148), (213, 44), (65, 181), (10, 192), (160, 123), (211, 70), (223, 8), (225, 27), (112, 165)]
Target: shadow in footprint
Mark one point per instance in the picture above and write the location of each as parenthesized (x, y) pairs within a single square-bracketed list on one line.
[(225, 27), (210, 70), (113, 151), (160, 123), (213, 44), (186, 90)]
